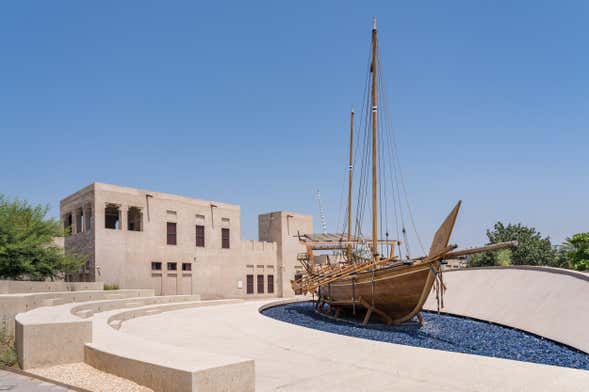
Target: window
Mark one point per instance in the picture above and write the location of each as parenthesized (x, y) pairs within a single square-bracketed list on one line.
[(134, 219), (88, 219), (67, 223), (225, 238), (186, 266), (270, 284), (200, 236), (171, 233), (260, 284), (249, 284), (79, 220), (172, 266), (156, 265), (112, 218)]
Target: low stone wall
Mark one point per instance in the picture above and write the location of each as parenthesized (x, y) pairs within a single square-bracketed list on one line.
[(27, 286), (89, 309), (13, 304), (549, 302)]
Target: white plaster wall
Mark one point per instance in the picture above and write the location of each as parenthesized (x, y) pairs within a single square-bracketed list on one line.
[(546, 301), (124, 257), (282, 227)]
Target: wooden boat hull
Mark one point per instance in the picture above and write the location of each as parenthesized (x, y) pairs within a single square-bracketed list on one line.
[(395, 293)]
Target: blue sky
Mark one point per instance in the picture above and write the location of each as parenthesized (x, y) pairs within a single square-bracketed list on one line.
[(243, 101)]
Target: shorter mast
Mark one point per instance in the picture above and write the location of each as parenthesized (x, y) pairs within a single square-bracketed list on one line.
[(350, 184)]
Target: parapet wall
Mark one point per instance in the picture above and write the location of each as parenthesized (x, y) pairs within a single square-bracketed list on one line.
[(258, 246), (549, 302)]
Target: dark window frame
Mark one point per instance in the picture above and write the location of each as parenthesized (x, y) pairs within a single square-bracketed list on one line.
[(249, 284), (270, 287), (260, 284), (171, 238), (200, 236), (134, 219), (109, 221), (225, 238), (156, 265), (68, 223), (171, 264), (187, 267)]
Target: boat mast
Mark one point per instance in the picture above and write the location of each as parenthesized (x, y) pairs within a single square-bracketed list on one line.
[(374, 144), (350, 185)]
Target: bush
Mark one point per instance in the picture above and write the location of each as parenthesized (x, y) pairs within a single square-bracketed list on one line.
[(113, 286), (577, 253), (533, 249), (27, 250), (7, 350)]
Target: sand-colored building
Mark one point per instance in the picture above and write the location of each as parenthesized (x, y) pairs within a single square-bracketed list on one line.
[(179, 245)]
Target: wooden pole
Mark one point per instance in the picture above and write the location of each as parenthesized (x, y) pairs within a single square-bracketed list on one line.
[(350, 184), (374, 145)]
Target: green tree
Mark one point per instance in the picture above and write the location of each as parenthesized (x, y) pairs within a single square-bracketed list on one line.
[(27, 250), (533, 249), (577, 251)]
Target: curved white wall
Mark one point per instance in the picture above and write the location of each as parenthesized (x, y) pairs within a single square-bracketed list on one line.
[(550, 302)]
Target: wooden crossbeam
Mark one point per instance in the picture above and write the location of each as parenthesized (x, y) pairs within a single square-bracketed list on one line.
[(342, 274)]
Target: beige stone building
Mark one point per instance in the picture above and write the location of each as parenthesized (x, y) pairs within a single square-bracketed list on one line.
[(180, 245)]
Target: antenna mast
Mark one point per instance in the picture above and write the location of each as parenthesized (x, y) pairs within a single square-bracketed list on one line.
[(321, 213)]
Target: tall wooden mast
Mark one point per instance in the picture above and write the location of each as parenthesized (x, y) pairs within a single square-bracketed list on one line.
[(350, 183), (374, 144)]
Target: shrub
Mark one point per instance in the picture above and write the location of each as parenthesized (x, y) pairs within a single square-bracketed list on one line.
[(7, 350)]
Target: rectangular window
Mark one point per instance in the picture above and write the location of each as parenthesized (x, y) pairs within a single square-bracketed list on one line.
[(260, 284), (249, 284), (88, 219), (200, 236), (156, 265), (79, 220), (270, 284), (186, 266), (134, 219), (172, 266), (171, 233), (67, 223), (112, 219), (225, 238)]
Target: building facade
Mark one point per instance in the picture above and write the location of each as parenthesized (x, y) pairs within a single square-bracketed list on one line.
[(179, 245)]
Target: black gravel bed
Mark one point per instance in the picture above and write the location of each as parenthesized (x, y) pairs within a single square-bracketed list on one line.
[(442, 332)]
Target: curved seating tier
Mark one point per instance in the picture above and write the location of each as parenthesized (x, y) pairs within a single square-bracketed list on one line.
[(88, 333)]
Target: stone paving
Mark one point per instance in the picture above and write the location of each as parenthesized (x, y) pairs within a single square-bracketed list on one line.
[(291, 358), (18, 383)]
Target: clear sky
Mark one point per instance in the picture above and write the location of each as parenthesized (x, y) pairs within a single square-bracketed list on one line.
[(247, 103)]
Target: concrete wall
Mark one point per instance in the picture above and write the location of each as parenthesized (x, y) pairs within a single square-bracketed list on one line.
[(82, 238), (27, 286), (282, 227), (550, 302)]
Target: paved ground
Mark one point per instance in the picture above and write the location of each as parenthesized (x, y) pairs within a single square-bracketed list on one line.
[(16, 383), (294, 358)]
